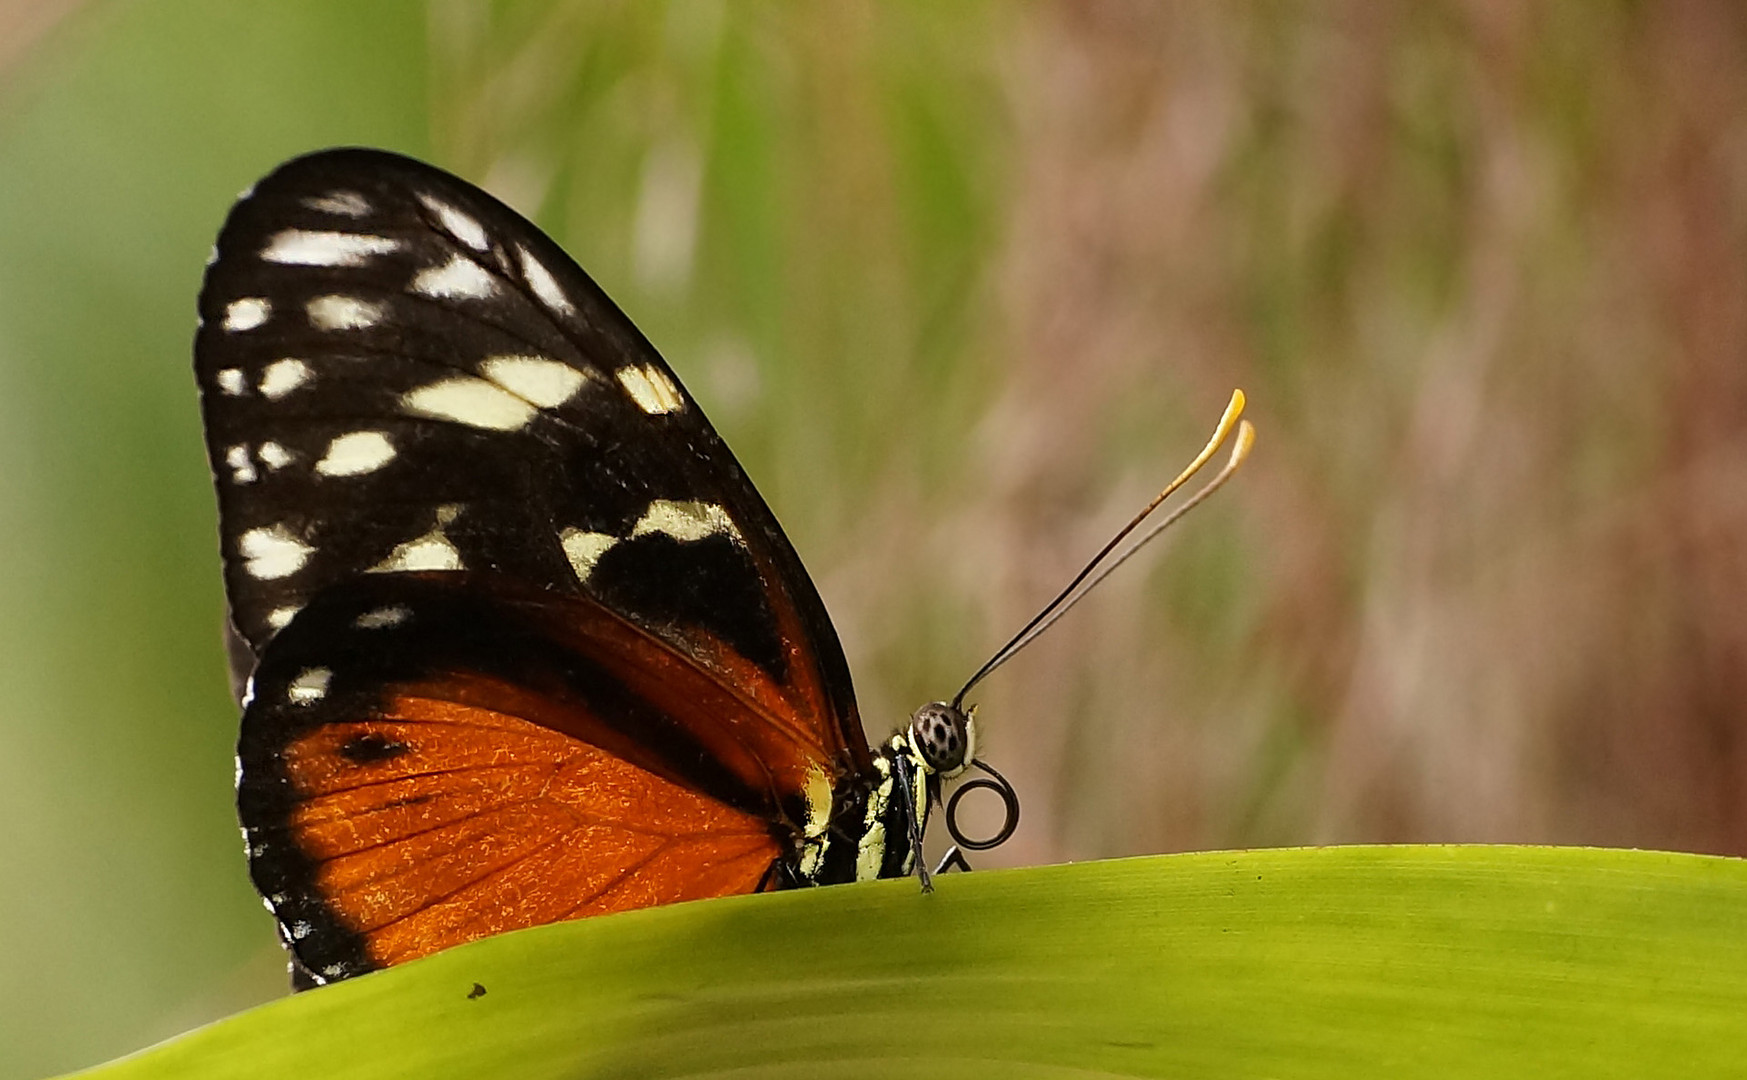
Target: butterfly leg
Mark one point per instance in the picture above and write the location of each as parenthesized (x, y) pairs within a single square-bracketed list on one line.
[(954, 860), (907, 785)]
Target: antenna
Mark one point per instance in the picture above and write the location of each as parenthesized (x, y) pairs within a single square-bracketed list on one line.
[(1098, 569)]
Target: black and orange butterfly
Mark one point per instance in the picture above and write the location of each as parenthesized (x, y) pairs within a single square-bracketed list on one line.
[(515, 637)]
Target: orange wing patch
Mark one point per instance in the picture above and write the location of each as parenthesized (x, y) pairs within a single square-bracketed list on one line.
[(440, 823)]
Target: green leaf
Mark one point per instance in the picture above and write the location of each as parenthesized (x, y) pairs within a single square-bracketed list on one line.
[(1348, 961)]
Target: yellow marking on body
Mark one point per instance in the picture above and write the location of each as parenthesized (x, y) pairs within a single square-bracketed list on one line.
[(817, 794)]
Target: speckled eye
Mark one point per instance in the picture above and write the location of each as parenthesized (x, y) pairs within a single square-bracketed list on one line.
[(942, 735)]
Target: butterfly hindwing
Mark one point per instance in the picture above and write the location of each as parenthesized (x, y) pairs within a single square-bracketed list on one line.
[(429, 758), (496, 578)]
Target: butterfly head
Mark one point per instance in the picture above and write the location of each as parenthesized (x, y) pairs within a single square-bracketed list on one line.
[(943, 738)]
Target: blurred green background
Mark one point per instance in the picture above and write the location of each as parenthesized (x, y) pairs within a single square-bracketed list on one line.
[(961, 284)]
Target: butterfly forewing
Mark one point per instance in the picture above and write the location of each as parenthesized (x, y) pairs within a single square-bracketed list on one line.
[(400, 373), (405, 381)]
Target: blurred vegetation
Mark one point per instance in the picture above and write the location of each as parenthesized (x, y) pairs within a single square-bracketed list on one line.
[(962, 284)]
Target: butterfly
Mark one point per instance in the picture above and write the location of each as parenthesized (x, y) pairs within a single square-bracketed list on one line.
[(516, 638)]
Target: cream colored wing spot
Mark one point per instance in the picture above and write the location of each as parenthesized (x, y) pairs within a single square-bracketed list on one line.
[(458, 279), (272, 552), (467, 400), (383, 618), (305, 247), (310, 686), (432, 551), (457, 223), (230, 380), (283, 376), (236, 458), (584, 550), (279, 617), (536, 379), (545, 286), (338, 312), (651, 389), (274, 456), (686, 521), (247, 313), (356, 453), (344, 203)]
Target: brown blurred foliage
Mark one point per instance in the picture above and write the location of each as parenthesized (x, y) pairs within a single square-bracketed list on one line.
[(1481, 267)]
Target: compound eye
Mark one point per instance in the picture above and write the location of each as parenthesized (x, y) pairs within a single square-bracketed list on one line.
[(941, 735)]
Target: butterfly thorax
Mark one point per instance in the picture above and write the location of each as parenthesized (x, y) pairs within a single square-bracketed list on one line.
[(880, 817)]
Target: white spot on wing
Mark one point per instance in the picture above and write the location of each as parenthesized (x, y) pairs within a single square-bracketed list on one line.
[(310, 686), (247, 313), (280, 617), (304, 247), (230, 380), (272, 552), (466, 400), (242, 469), (432, 551), (459, 278), (545, 286), (283, 376), (383, 618), (457, 223), (274, 456), (337, 312), (300, 930), (356, 453), (651, 389), (584, 549), (546, 383), (685, 521), (345, 203)]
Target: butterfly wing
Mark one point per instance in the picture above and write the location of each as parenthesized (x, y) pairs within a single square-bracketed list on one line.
[(416, 402)]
